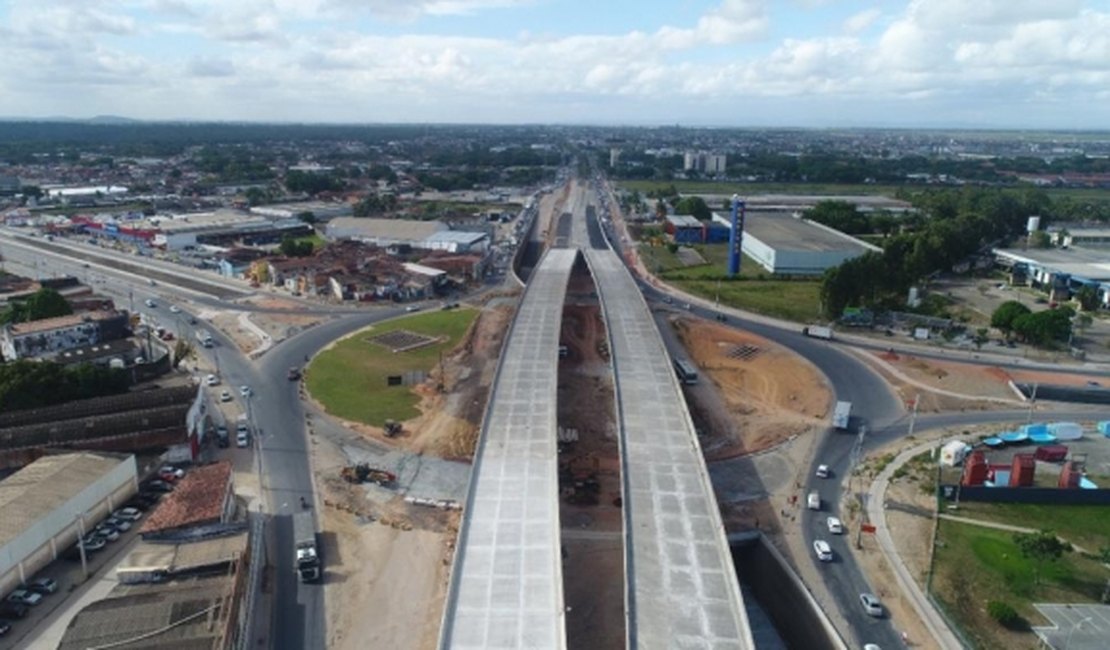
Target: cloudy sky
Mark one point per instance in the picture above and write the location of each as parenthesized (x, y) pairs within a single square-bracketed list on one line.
[(963, 63)]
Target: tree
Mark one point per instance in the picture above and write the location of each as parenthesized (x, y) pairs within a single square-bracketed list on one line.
[(1004, 316), (1044, 327), (1004, 613), (44, 303), (1040, 547), (182, 350), (980, 338), (291, 247), (1040, 239), (1087, 297), (695, 206)]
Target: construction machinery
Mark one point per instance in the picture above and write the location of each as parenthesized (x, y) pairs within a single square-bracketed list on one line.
[(364, 473)]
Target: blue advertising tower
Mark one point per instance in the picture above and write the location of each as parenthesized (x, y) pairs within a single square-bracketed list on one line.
[(736, 237)]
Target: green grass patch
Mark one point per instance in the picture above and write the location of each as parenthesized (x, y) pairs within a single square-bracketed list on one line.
[(350, 378), (315, 239), (976, 565), (756, 290), (1085, 526)]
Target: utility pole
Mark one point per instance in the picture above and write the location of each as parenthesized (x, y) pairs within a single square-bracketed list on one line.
[(1032, 403), (913, 413), (857, 455)]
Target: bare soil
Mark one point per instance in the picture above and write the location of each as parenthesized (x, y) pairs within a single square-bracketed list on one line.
[(389, 562), (589, 476), (770, 394)]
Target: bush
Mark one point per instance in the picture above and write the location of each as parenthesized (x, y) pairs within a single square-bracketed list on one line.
[(1003, 613)]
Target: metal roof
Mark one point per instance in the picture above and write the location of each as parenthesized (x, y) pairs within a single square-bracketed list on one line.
[(785, 232), (45, 485), (507, 584)]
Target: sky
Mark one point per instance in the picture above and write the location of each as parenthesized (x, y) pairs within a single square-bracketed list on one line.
[(755, 63)]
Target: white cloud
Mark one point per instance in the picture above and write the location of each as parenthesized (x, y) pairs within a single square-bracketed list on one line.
[(205, 66), (860, 22)]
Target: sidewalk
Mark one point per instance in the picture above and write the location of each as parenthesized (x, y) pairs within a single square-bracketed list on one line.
[(876, 512)]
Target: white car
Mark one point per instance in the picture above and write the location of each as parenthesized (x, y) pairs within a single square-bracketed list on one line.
[(871, 604), (25, 597), (212, 380), (412, 308), (225, 396), (128, 514), (822, 549), (822, 471), (170, 469), (174, 309), (835, 526), (242, 439), (150, 303), (245, 391)]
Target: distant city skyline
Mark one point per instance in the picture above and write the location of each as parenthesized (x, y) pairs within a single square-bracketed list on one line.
[(728, 63)]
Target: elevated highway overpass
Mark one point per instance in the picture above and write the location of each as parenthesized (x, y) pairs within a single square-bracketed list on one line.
[(681, 589)]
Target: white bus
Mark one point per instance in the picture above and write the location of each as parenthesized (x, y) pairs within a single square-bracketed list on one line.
[(686, 371)]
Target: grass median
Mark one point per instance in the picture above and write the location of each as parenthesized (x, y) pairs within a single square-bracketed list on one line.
[(350, 379)]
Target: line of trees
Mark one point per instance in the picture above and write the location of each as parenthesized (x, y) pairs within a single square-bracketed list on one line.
[(28, 384), (956, 225)]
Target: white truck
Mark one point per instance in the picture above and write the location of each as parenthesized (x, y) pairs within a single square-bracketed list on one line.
[(818, 332), (841, 414), (204, 337), (307, 561)]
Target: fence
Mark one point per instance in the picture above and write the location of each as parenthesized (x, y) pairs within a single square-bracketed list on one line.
[(1047, 495), (245, 638)]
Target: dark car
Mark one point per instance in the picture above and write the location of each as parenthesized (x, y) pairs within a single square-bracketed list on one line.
[(13, 610), (43, 585), (5, 627), (159, 486)]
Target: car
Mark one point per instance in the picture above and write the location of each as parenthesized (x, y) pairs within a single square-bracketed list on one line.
[(150, 303), (222, 439), (1093, 383), (835, 526), (669, 300), (212, 380), (122, 525), (822, 471), (192, 320), (225, 396), (174, 309), (107, 532), (168, 477), (871, 604), (158, 485), (93, 543), (242, 439), (128, 514), (177, 472), (242, 428), (43, 585), (25, 597), (688, 307), (822, 549), (5, 627), (871, 646), (13, 610), (412, 308), (245, 391), (294, 374)]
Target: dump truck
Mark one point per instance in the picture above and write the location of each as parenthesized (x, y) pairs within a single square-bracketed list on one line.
[(841, 414), (307, 562)]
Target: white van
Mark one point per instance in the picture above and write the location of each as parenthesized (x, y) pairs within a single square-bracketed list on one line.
[(813, 501)]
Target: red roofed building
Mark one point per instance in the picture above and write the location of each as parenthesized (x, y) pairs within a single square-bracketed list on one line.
[(203, 503)]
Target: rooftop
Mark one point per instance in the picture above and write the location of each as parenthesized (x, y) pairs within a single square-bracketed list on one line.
[(46, 484), (1089, 263), (785, 232), (173, 558), (61, 322), (459, 236), (177, 615), (199, 498), (684, 221), (398, 229)]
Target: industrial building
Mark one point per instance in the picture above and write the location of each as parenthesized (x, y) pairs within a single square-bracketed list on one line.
[(457, 241), (1060, 271), (52, 501), (50, 335), (686, 229), (787, 244), (384, 232), (320, 210)]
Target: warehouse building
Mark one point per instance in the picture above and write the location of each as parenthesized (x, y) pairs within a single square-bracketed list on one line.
[(1059, 271), (47, 504), (787, 244), (384, 232)]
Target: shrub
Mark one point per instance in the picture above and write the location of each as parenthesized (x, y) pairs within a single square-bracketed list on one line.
[(1003, 613)]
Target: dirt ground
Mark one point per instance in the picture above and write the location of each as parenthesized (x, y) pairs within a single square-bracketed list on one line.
[(282, 326), (589, 477), (770, 393), (388, 564)]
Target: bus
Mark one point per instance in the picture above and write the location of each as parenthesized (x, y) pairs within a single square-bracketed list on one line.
[(686, 371)]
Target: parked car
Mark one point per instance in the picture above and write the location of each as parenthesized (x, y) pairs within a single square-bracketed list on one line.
[(835, 527), (25, 596), (160, 486), (871, 604), (93, 543), (822, 471), (43, 585), (170, 469), (242, 439), (822, 549), (13, 610), (222, 438), (106, 532), (122, 525), (225, 396), (128, 514), (168, 477)]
